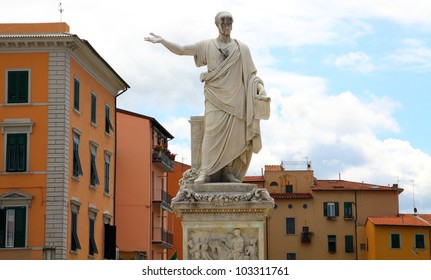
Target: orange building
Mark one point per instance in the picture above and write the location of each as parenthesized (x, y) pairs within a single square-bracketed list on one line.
[(57, 117), (400, 237), (143, 211)]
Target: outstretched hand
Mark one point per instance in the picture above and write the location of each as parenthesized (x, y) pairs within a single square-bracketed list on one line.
[(153, 38)]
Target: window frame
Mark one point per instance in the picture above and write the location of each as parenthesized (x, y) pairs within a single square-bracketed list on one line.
[(392, 235), (108, 123), (94, 176), (93, 108), (327, 208), (77, 166), (19, 157), (28, 90), (288, 188), (75, 245), (19, 232), (76, 94), (107, 171), (349, 244), (348, 206), (423, 241), (290, 229), (332, 244)]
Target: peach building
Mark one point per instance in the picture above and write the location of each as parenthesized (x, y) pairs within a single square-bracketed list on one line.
[(143, 211), (321, 219), (57, 121)]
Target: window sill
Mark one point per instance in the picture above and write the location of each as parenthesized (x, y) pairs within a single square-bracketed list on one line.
[(107, 194), (331, 218), (94, 187), (75, 178), (349, 218), (94, 125), (77, 111)]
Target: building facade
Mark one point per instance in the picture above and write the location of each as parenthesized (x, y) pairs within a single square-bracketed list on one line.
[(143, 211), (57, 116), (321, 219), (400, 237)]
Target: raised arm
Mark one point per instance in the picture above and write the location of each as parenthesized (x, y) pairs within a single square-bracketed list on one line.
[(173, 47)]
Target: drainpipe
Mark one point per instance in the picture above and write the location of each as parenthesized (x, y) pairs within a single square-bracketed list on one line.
[(115, 152), (356, 227)]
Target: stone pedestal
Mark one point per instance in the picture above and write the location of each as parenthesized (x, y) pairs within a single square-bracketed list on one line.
[(223, 221)]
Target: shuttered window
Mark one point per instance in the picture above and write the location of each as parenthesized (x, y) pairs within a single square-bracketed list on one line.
[(16, 152), (17, 86)]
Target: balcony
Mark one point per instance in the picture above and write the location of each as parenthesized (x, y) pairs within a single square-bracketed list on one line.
[(163, 160), (163, 238), (306, 237), (162, 197)]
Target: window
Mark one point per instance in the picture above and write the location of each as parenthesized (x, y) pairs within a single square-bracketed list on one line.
[(348, 241), (419, 241), (108, 124), (330, 209), (290, 225), (273, 184), (107, 171), (93, 108), (94, 177), (92, 246), (18, 86), (76, 93), (291, 256), (395, 241), (348, 210), (75, 245), (77, 169), (13, 226), (16, 152), (289, 188), (332, 244)]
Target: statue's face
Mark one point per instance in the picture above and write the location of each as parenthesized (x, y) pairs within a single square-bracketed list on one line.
[(225, 26)]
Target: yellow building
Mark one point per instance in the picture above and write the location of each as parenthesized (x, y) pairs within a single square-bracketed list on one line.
[(57, 119), (321, 219), (400, 237)]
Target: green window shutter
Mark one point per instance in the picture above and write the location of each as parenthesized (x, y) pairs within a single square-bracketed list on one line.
[(93, 108), (325, 209), (395, 241), (348, 212), (337, 210), (107, 167), (2, 227), (75, 240), (94, 177), (16, 152), (348, 243), (18, 86), (20, 226), (76, 93)]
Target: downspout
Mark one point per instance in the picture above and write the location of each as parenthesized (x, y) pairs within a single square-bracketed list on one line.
[(115, 152), (356, 227)]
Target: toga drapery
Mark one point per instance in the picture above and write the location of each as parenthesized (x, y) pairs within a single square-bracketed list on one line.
[(231, 131)]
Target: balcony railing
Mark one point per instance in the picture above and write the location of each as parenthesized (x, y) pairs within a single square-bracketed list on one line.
[(162, 197), (163, 238), (306, 237), (163, 161)]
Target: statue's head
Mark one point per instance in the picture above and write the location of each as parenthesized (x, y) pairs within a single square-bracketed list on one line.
[(223, 17)]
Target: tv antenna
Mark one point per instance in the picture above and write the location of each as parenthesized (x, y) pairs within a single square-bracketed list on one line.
[(61, 10), (413, 191)]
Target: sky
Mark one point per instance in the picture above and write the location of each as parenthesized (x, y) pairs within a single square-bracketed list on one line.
[(349, 80)]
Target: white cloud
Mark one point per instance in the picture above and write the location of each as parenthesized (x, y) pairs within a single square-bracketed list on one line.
[(413, 55), (354, 61)]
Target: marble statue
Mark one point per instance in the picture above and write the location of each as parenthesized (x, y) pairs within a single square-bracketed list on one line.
[(235, 101)]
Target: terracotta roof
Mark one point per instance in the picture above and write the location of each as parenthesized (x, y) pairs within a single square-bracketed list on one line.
[(253, 179), (341, 185), (402, 220), (291, 195)]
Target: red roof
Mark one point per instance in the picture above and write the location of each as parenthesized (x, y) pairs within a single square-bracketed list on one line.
[(403, 220), (253, 179), (341, 185), (291, 195)]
